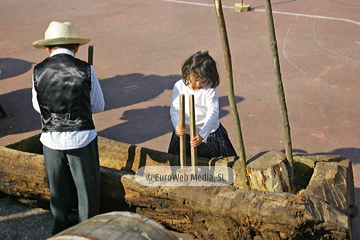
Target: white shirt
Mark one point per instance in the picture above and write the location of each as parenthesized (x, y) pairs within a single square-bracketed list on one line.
[(76, 139), (206, 108)]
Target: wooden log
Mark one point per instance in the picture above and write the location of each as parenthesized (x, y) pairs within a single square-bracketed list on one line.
[(329, 175), (116, 225), (231, 213), (114, 154), (267, 171), (208, 212), (23, 174)]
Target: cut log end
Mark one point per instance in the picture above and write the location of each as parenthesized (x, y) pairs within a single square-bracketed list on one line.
[(267, 171), (116, 225)]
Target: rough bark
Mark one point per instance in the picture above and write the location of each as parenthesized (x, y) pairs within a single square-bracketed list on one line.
[(116, 225), (231, 213), (231, 95), (23, 174), (268, 172), (280, 89)]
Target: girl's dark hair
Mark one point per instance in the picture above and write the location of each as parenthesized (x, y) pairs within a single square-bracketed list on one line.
[(203, 65)]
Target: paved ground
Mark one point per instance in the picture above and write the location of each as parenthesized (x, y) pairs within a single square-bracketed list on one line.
[(140, 46)]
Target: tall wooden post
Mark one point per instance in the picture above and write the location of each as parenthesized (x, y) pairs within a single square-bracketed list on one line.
[(230, 87), (193, 150), (183, 137), (90, 54), (280, 90)]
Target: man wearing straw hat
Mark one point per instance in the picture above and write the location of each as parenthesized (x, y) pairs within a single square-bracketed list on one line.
[(66, 92)]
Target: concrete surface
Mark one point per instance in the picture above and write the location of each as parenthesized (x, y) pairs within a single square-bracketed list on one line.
[(139, 47)]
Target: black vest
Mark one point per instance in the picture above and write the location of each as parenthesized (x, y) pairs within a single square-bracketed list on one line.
[(63, 85)]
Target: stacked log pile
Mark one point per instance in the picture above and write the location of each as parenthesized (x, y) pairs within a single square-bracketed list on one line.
[(321, 207)]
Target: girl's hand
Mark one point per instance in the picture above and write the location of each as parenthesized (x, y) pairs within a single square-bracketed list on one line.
[(180, 130), (196, 141)]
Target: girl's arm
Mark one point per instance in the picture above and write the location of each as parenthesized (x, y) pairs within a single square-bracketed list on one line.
[(212, 113)]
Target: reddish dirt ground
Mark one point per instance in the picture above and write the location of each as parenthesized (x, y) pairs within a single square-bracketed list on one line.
[(139, 47)]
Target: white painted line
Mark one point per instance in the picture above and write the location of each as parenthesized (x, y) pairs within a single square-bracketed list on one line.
[(312, 16), (192, 3), (263, 10), (285, 55)]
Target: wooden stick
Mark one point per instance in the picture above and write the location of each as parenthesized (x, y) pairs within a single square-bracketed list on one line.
[(193, 150), (230, 87), (183, 137), (280, 89), (90, 54)]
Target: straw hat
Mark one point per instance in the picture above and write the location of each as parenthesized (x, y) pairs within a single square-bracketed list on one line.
[(60, 33)]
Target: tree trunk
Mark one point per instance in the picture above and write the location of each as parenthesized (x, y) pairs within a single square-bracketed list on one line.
[(116, 225), (320, 211)]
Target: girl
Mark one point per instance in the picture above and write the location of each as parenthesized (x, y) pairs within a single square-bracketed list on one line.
[(200, 78)]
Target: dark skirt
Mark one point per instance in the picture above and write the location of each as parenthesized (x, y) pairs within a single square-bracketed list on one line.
[(218, 145)]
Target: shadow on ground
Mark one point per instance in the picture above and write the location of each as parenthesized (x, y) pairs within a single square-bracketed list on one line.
[(119, 91), (12, 67)]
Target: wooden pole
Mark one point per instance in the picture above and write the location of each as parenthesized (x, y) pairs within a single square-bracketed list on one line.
[(183, 137), (90, 54), (193, 150), (280, 90), (230, 87)]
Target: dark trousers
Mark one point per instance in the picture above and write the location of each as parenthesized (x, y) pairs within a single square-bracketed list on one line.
[(65, 166), (218, 144)]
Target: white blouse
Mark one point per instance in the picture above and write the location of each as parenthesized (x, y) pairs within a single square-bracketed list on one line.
[(206, 108)]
